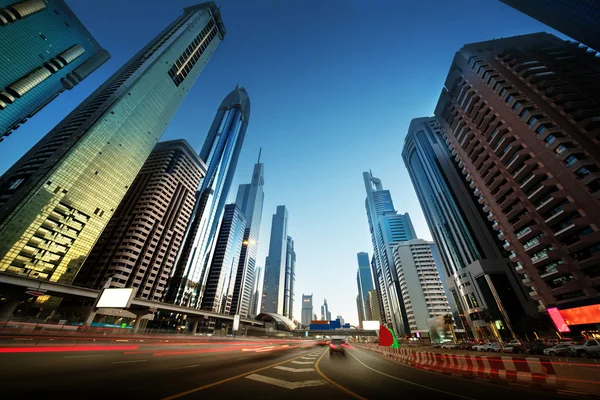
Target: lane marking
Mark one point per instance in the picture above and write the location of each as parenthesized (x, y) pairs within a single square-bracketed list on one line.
[(331, 381), (309, 358), (409, 382), (128, 362), (243, 358), (294, 369), (188, 366), (286, 384), (90, 355), (199, 388), (302, 362)]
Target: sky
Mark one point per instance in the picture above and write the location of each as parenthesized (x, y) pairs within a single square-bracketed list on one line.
[(333, 85)]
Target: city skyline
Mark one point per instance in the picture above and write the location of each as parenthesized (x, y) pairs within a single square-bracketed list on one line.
[(202, 105)]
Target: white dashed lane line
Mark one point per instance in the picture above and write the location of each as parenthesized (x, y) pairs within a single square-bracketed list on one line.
[(294, 369)]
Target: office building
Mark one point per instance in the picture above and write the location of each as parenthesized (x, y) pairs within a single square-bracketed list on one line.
[(256, 292), (325, 313), (220, 151), (250, 199), (579, 19), (422, 290), (221, 275), (275, 265), (341, 319), (139, 245), (364, 281), (58, 198), (45, 51), (387, 228), (307, 309), (519, 118), (290, 279), (373, 312), (467, 244)]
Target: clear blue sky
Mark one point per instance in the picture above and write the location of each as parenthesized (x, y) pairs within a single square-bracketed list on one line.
[(333, 85)]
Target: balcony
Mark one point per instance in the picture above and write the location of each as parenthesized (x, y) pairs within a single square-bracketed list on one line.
[(496, 226), (501, 235), (523, 221), (515, 210), (506, 245), (545, 256), (523, 232), (513, 256), (579, 242), (534, 295), (534, 243), (519, 268), (490, 216), (538, 191), (527, 282), (486, 208), (550, 201), (509, 201)]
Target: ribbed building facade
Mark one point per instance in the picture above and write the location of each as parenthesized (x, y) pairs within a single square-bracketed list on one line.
[(275, 265), (373, 312), (256, 291), (290, 279), (221, 151), (139, 245), (45, 51), (58, 198), (521, 117), (364, 282)]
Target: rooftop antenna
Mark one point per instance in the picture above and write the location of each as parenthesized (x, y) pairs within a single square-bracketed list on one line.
[(237, 85), (259, 153)]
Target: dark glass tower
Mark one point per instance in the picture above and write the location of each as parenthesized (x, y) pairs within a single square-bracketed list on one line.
[(364, 281), (290, 279), (45, 50), (275, 264), (57, 199), (220, 151)]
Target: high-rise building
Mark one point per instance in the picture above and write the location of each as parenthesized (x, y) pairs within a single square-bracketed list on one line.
[(364, 281), (221, 275), (139, 245), (579, 19), (422, 290), (256, 292), (387, 228), (373, 312), (274, 279), (520, 118), (220, 151), (57, 199), (290, 279), (467, 244), (45, 51), (250, 199), (307, 309), (341, 319), (325, 313)]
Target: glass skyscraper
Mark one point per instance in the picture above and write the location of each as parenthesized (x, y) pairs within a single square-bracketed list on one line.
[(387, 228), (364, 281), (45, 50), (274, 279), (57, 199), (250, 199), (220, 151), (290, 279)]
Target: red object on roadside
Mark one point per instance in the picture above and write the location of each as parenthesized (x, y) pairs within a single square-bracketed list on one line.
[(385, 336)]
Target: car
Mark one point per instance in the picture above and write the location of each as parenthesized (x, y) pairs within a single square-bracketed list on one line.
[(513, 348), (323, 342), (337, 346), (479, 347), (489, 347), (449, 345), (557, 350), (585, 349), (537, 347)]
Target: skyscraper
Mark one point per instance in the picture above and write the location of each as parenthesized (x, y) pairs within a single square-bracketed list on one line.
[(387, 228), (373, 313), (307, 309), (290, 279), (220, 151), (529, 152), (256, 292), (57, 199), (139, 245), (45, 50), (275, 265), (325, 313), (464, 238), (579, 19), (250, 199), (364, 281), (422, 291), (221, 275)]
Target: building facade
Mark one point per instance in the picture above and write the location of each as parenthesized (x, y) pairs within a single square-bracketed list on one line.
[(290, 279), (307, 309), (325, 313), (58, 198), (139, 245), (256, 292), (275, 265), (520, 119), (45, 51), (422, 290), (221, 151), (387, 228), (250, 199), (468, 246), (579, 19), (221, 276), (364, 281), (373, 312)]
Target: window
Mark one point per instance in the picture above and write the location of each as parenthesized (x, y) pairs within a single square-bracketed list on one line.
[(502, 92), (549, 140), (509, 98), (540, 129), (43, 37), (582, 172), (561, 148), (531, 122), (570, 161), (516, 105), (15, 184)]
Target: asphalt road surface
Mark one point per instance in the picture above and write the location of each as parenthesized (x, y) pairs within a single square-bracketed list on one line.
[(226, 370)]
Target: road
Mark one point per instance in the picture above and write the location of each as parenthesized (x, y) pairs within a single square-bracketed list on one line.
[(241, 370)]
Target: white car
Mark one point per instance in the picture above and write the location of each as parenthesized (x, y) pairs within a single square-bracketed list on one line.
[(557, 350), (490, 347), (479, 347)]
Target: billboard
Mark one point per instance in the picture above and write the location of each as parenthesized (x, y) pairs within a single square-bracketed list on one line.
[(558, 320), (438, 329), (236, 322), (370, 325), (581, 315), (115, 298)]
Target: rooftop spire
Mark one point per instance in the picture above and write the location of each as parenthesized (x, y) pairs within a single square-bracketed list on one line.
[(259, 153)]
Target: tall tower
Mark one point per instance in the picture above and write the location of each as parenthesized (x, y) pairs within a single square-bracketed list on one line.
[(220, 151), (387, 228), (45, 51), (364, 281), (250, 199), (530, 154), (256, 291), (274, 279), (290, 279), (325, 313), (57, 199), (149, 224), (307, 309)]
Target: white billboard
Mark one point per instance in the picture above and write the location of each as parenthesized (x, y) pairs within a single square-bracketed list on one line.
[(236, 322), (370, 325), (115, 298)]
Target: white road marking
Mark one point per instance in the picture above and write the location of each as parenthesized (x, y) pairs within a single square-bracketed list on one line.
[(90, 355), (188, 366), (409, 382), (285, 384), (128, 362), (303, 362), (308, 358), (294, 369)]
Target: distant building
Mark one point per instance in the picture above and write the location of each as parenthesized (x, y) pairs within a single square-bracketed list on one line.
[(256, 292), (364, 281), (325, 313), (275, 265), (290, 278), (307, 309), (45, 51), (341, 319)]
